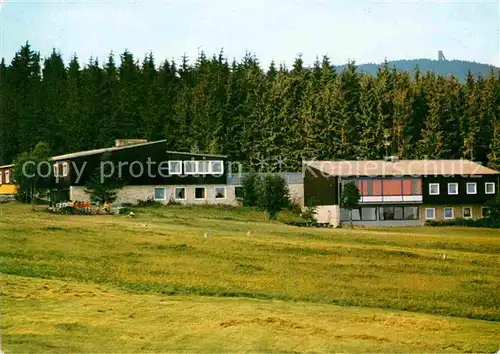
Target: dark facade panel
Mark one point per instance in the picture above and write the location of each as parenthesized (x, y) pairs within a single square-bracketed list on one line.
[(462, 197), (323, 190), (141, 165)]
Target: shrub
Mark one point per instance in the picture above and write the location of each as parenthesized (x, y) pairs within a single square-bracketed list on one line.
[(349, 198), (104, 189), (294, 206), (273, 195), (309, 212), (148, 203), (484, 222), (250, 186)]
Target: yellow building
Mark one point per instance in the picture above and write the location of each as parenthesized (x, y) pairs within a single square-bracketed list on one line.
[(7, 185)]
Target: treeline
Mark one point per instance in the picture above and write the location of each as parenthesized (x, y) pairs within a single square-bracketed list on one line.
[(270, 118)]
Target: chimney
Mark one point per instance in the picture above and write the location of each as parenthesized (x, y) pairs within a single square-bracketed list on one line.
[(125, 142)]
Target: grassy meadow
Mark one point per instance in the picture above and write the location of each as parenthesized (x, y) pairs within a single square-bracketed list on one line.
[(218, 279)]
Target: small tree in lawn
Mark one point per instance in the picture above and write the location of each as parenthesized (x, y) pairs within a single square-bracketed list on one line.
[(494, 212), (349, 198), (273, 195), (32, 173), (101, 187), (250, 186)]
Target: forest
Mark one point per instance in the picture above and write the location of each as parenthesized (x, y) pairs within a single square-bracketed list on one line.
[(268, 118)]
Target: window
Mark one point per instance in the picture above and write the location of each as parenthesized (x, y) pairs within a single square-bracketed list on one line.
[(472, 188), (159, 193), (416, 187), (190, 167), (369, 214), (203, 167), (7, 177), (220, 193), (56, 170), (1, 177), (489, 188), (410, 213), (199, 192), (65, 169), (485, 212), (216, 167), (433, 188), (452, 188), (467, 212), (430, 213), (448, 213), (175, 167), (369, 186), (344, 214), (180, 193), (238, 191), (391, 213)]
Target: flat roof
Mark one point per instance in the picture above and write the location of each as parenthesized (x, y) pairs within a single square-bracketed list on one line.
[(115, 148), (400, 168), (103, 150), (194, 153)]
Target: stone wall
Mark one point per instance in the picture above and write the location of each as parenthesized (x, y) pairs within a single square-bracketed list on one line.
[(457, 211)]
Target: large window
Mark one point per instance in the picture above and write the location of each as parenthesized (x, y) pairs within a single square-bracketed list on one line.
[(448, 213), (364, 213), (410, 213), (489, 188), (159, 193), (216, 167), (199, 193), (391, 213), (203, 167), (1, 178), (180, 193), (56, 170), (369, 214), (7, 177), (190, 167), (472, 188), (430, 213), (467, 212), (452, 188), (433, 188), (356, 214), (175, 167)]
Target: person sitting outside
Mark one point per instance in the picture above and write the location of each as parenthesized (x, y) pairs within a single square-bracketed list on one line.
[(107, 207)]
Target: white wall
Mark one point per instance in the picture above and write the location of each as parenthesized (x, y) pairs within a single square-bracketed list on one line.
[(328, 214), (132, 194)]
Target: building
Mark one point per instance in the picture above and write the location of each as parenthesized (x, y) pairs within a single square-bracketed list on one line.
[(149, 171), (7, 185), (152, 172), (401, 192)]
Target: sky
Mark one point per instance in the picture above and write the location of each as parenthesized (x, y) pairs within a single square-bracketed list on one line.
[(364, 31)]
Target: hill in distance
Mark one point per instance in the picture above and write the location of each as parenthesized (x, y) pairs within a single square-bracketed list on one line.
[(459, 68)]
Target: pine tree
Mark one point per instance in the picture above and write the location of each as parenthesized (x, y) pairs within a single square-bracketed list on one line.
[(54, 97)]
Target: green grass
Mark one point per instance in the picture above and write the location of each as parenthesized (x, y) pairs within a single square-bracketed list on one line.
[(155, 283)]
